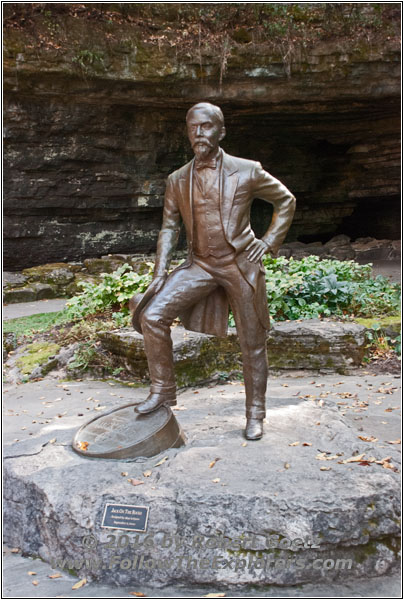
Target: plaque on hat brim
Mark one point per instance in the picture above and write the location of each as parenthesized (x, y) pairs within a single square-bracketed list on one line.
[(123, 433)]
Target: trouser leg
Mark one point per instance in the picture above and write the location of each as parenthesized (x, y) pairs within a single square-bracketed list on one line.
[(182, 289), (251, 333), (252, 336)]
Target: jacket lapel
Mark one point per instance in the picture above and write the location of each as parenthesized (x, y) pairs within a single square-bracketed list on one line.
[(185, 183), (228, 186)]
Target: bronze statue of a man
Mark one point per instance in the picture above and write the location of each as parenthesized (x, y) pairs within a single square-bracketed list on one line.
[(212, 196)]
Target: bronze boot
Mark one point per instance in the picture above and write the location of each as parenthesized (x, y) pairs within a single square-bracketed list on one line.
[(153, 402), (254, 429)]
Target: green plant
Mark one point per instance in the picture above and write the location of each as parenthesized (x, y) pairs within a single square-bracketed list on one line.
[(311, 288), (115, 289), (379, 343), (83, 357), (89, 60), (397, 345)]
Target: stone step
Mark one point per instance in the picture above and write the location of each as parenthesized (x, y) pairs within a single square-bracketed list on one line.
[(311, 344)]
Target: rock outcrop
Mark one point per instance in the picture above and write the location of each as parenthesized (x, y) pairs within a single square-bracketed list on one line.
[(311, 344), (94, 123)]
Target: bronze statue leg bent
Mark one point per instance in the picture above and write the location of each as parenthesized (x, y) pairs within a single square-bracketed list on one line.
[(182, 288)]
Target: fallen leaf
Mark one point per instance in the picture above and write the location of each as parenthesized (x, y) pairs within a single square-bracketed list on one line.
[(307, 444), (136, 481), (383, 460), (161, 461), (325, 468), (35, 582), (178, 408), (137, 594), (244, 444), (370, 438), (83, 446), (294, 444), (364, 463), (394, 441), (147, 474), (387, 465), (79, 584), (212, 464), (323, 456), (15, 550), (216, 480), (287, 466), (52, 441), (357, 458), (55, 576), (31, 573), (124, 473)]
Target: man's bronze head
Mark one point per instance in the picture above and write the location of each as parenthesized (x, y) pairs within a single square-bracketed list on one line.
[(205, 125)]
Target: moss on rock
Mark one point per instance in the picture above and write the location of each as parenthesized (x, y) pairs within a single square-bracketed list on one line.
[(38, 353)]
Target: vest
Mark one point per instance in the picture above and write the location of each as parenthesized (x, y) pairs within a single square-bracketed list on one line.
[(208, 234)]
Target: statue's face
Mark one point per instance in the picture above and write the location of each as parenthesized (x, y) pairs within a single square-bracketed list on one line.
[(204, 132)]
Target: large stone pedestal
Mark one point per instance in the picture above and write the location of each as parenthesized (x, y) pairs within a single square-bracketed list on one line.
[(217, 505)]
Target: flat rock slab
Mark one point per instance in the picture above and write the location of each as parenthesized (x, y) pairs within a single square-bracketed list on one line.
[(222, 510), (309, 344)]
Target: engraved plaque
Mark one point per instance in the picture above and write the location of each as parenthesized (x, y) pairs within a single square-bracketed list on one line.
[(123, 433), (125, 516)]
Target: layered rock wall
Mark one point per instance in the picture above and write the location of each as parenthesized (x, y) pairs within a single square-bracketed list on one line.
[(91, 135)]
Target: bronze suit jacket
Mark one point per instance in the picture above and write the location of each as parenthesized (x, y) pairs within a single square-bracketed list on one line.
[(241, 181)]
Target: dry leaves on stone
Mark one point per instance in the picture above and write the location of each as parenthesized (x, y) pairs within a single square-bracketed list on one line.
[(79, 584), (370, 438), (327, 456)]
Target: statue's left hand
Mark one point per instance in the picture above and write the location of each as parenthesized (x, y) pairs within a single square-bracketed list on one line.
[(256, 250)]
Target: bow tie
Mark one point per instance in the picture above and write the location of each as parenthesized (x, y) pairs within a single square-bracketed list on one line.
[(210, 164)]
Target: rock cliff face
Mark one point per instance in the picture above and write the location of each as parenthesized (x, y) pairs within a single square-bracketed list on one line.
[(91, 134)]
